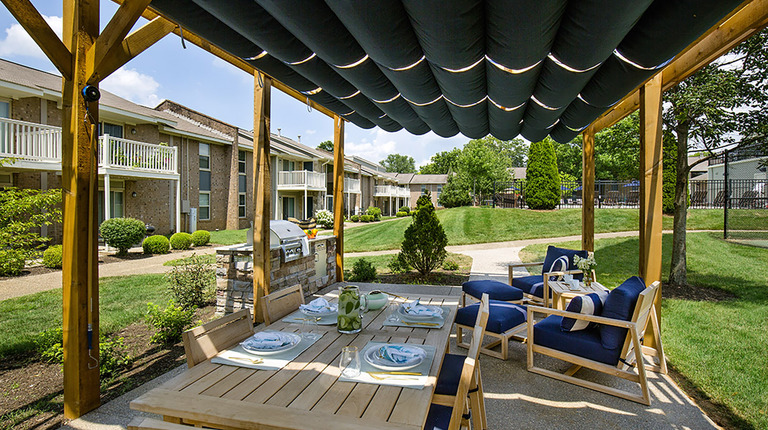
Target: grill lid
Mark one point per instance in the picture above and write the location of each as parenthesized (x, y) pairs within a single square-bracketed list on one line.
[(285, 229)]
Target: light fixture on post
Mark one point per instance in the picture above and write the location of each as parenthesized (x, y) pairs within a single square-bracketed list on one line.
[(133, 194), (133, 131)]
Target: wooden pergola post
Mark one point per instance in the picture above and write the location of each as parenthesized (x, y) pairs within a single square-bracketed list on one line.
[(650, 183), (80, 272), (338, 194), (588, 190), (262, 186)]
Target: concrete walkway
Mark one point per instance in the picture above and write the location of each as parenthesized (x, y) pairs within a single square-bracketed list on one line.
[(30, 284)]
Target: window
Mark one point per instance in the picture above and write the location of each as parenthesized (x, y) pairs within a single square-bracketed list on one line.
[(204, 212), (439, 190), (115, 204), (288, 165), (423, 189), (288, 210), (242, 184), (309, 166), (5, 112), (113, 130)]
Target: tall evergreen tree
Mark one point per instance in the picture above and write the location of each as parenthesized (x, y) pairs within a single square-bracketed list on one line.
[(542, 180)]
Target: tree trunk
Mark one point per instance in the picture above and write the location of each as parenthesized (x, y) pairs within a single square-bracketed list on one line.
[(678, 272)]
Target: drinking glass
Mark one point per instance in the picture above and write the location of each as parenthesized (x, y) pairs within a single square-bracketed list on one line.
[(391, 311), (350, 362), (308, 326)]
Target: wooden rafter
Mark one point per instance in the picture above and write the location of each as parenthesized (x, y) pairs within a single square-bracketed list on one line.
[(29, 18), (132, 46), (116, 30), (739, 26)]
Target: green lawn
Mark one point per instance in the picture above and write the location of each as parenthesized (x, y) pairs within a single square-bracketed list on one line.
[(467, 225), (228, 237), (122, 301), (720, 346)]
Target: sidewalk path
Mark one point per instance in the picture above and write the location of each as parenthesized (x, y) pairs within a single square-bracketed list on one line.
[(30, 284)]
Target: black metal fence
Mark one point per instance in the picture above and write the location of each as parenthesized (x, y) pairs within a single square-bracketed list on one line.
[(703, 194)]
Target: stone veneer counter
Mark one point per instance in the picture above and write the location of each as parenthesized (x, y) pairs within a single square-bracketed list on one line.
[(234, 272)]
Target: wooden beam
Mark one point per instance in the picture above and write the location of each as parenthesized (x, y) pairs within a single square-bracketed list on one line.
[(29, 18), (80, 275), (650, 181), (238, 62), (129, 48), (338, 194), (118, 27), (721, 38), (588, 190), (262, 186)]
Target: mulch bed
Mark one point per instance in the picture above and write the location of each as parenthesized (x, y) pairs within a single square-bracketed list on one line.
[(698, 294), (31, 392)]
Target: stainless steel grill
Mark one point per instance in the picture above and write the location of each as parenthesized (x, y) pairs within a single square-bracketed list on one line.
[(290, 238)]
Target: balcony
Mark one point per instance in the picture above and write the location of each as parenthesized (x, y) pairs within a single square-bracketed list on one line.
[(352, 185), (390, 191), (300, 180), (38, 147)]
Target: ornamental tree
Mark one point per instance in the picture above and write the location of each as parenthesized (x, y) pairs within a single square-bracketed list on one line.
[(542, 189), (423, 247)]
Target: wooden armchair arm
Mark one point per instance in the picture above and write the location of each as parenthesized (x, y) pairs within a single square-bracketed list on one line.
[(577, 316), (511, 268)]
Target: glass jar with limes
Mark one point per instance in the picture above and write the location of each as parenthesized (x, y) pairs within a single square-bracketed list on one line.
[(350, 318)]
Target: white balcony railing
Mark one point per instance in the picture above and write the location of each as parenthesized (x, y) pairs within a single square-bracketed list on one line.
[(133, 155), (351, 185), (300, 179), (29, 141), (37, 143), (403, 192), (390, 191)]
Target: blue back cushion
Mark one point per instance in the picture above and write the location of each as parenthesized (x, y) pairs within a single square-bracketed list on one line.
[(589, 304), (553, 253), (496, 290), (620, 304)]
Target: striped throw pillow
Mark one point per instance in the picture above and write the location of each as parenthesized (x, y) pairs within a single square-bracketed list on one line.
[(559, 265), (590, 304)]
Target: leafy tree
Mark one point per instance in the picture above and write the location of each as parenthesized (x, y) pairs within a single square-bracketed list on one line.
[(399, 163), (442, 163), (326, 145), (454, 195), (542, 178), (481, 165), (516, 150), (423, 247)]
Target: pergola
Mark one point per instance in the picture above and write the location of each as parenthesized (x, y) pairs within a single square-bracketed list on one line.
[(504, 67)]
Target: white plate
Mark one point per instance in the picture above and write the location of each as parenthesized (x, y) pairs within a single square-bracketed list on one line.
[(372, 357), (320, 314), (401, 312), (291, 341)]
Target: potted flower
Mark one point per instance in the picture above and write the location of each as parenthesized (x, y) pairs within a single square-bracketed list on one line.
[(586, 265)]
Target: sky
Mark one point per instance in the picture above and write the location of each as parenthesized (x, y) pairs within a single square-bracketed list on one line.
[(203, 82)]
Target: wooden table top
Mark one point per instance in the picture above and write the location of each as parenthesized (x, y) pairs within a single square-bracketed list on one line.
[(306, 393), (562, 287)]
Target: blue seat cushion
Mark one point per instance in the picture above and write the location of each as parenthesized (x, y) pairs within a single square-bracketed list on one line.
[(439, 417), (502, 316), (496, 290), (620, 304), (533, 285), (554, 253), (450, 373), (583, 343)]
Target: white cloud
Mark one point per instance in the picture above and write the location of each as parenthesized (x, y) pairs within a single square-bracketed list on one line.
[(310, 132), (134, 86), (18, 42)]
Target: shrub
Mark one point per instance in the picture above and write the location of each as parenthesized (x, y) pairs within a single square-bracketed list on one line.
[(201, 237), (324, 218), (156, 244), (454, 195), (49, 345), (424, 245), (192, 282), (52, 257), (367, 218), (363, 271), (122, 233), (542, 189), (181, 240), (169, 323), (355, 218), (374, 213), (398, 264), (113, 357), (450, 265), (401, 214), (405, 209), (12, 262)]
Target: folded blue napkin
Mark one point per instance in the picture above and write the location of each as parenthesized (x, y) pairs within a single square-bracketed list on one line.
[(414, 308), (319, 305), (401, 354), (266, 340)]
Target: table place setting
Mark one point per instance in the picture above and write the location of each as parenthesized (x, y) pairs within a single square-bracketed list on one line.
[(415, 315), (267, 350), (396, 364), (319, 311)]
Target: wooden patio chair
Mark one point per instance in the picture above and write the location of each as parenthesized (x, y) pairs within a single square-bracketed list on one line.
[(633, 197), (281, 303), (719, 199), (698, 198), (207, 340), (533, 286), (590, 347), (458, 381), (748, 200)]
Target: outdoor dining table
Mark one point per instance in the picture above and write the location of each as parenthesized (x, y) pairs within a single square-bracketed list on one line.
[(306, 393)]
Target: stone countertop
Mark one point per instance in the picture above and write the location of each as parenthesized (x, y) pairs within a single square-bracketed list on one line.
[(242, 247)]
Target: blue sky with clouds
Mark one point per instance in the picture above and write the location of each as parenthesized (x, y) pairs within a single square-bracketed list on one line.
[(207, 84)]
